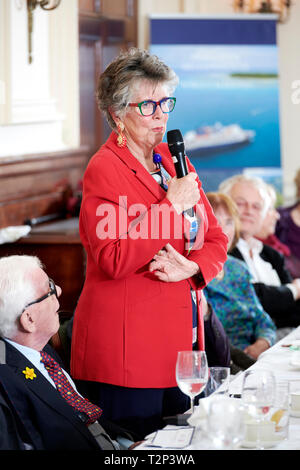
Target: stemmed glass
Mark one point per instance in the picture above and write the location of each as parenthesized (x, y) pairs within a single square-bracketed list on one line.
[(191, 373), (258, 396)]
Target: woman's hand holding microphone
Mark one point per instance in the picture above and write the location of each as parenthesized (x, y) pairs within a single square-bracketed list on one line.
[(183, 193)]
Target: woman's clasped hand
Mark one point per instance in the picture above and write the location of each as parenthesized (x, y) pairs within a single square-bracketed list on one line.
[(170, 266)]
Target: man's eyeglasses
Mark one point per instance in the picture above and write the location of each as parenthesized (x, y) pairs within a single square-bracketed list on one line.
[(148, 107), (52, 291), (242, 204)]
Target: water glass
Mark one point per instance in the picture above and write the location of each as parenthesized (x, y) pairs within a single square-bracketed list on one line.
[(294, 398), (258, 396), (218, 382), (225, 422), (280, 411)]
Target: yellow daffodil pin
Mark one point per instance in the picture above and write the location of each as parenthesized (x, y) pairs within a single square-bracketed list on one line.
[(29, 373)]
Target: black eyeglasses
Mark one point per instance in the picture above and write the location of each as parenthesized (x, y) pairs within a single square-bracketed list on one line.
[(52, 291), (148, 107)]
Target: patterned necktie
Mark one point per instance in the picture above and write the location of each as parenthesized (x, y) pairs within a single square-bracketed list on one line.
[(66, 390)]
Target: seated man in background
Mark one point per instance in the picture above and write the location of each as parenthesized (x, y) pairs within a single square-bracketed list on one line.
[(266, 232), (278, 293), (41, 396)]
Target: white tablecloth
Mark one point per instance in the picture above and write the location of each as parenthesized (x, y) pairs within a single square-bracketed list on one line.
[(276, 359)]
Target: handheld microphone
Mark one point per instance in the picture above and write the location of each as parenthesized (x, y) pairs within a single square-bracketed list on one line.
[(176, 147)]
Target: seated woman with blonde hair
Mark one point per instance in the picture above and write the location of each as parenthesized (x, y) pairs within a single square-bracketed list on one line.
[(231, 294)]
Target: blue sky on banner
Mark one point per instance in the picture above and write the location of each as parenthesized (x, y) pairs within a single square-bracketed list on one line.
[(221, 58)]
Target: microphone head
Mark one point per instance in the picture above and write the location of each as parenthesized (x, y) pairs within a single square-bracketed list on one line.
[(175, 141)]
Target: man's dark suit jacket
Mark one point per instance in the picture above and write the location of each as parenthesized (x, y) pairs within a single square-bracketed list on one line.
[(10, 437), (48, 422), (278, 302)]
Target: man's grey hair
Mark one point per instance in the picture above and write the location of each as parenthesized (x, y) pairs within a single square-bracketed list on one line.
[(16, 290), (227, 185), (117, 84), (273, 195)]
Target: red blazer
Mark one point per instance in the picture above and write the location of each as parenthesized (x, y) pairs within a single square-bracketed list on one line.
[(128, 325)]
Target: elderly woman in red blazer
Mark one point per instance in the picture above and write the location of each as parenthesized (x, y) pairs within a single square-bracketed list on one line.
[(132, 318)]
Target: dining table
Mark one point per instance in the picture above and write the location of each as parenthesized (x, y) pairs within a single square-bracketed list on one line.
[(283, 359)]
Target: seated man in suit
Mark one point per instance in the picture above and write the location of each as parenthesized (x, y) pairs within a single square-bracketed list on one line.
[(278, 293), (10, 438), (37, 396)]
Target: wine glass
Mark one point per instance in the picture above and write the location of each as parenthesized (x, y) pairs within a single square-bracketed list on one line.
[(191, 373), (258, 396), (225, 422)]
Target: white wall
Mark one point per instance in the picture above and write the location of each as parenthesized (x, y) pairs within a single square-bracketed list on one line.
[(289, 69), (39, 102)]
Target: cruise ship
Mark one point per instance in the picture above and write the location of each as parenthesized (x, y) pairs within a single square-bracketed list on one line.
[(216, 139)]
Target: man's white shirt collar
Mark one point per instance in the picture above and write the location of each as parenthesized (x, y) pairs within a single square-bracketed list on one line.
[(252, 244), (260, 270)]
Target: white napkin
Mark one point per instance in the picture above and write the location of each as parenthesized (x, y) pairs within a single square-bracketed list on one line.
[(13, 233), (200, 412), (178, 438)]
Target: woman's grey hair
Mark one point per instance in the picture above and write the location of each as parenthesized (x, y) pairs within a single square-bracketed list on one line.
[(227, 185), (16, 290), (117, 83)]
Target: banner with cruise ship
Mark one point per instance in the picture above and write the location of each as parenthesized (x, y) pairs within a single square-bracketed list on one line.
[(228, 98)]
